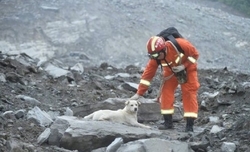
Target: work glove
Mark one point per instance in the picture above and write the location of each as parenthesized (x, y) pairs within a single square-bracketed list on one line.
[(135, 97), (178, 68)]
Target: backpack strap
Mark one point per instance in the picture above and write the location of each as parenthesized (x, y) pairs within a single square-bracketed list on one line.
[(173, 40)]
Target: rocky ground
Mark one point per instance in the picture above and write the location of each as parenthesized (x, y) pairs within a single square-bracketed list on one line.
[(223, 100), (106, 38)]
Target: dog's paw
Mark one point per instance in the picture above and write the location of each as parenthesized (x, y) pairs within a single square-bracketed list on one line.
[(148, 127)]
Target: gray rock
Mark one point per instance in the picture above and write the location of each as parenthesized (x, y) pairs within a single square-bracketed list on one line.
[(14, 145), (55, 71), (57, 130), (20, 113), (228, 147), (215, 129), (68, 112), (9, 115), (28, 99), (155, 145), (43, 136), (88, 135), (39, 116), (2, 77), (115, 145)]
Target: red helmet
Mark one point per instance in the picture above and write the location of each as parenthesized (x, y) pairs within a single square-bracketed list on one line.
[(155, 44)]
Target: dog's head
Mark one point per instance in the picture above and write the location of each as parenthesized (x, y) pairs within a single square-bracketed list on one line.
[(132, 105)]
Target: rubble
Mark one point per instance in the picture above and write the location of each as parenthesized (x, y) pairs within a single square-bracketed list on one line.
[(58, 122), (61, 60)]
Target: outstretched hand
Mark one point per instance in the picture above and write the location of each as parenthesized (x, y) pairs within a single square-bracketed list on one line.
[(135, 97)]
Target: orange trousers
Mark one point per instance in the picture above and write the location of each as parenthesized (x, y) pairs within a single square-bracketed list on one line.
[(189, 95)]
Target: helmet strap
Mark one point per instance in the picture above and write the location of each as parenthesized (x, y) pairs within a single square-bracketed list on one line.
[(165, 53)]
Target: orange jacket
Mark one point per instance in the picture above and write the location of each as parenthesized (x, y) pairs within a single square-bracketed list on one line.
[(171, 57)]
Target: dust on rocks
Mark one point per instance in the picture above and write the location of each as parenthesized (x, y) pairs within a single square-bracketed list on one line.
[(223, 99)]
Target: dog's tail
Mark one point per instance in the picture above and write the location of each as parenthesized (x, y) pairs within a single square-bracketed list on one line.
[(88, 117)]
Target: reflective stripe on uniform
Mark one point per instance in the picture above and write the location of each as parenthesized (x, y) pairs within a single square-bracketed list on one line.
[(191, 59), (179, 57), (165, 64), (170, 111), (145, 82), (190, 114)]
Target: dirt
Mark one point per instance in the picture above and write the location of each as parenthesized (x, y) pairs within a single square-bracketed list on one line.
[(219, 71), (56, 95)]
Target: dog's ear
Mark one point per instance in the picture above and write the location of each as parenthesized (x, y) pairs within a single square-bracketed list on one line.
[(127, 102), (138, 102)]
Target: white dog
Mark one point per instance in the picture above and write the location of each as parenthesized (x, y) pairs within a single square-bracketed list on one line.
[(127, 115)]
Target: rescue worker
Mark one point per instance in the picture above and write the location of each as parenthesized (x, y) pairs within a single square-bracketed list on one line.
[(169, 57)]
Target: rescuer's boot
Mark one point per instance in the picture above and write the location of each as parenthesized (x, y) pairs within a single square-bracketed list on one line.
[(190, 124), (168, 122)]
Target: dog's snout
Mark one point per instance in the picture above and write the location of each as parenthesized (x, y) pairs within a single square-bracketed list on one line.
[(136, 109)]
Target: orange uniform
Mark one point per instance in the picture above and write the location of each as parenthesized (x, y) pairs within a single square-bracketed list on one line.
[(189, 89)]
